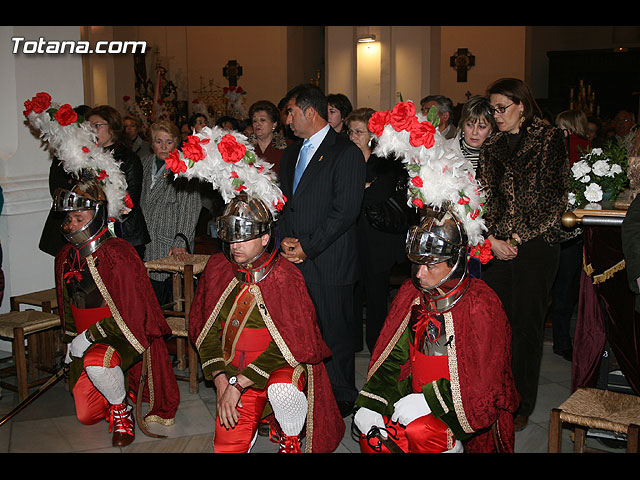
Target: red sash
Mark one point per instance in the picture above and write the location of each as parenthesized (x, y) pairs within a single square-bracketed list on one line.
[(427, 368), (85, 317)]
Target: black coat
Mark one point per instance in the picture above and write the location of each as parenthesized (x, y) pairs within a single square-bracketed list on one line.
[(379, 251), (131, 227), (323, 211)]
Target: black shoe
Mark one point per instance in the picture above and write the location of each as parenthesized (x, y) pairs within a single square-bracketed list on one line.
[(566, 354), (345, 408)]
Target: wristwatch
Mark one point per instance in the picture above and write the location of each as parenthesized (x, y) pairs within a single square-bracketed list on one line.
[(233, 381)]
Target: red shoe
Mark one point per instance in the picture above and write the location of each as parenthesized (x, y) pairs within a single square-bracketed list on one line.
[(289, 444), (121, 422)]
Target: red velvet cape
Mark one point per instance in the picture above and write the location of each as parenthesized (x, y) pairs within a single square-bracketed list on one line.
[(127, 283), (289, 306), (483, 359)]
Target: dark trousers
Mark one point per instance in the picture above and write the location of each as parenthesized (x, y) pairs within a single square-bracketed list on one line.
[(334, 313), (523, 285), (373, 289), (565, 293)]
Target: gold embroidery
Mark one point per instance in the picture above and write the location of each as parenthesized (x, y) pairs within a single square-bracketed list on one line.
[(393, 342), (238, 325), (108, 355), (310, 409), (259, 371), (436, 390), (216, 311), (112, 306), (454, 378), (101, 330), (374, 397), (266, 317)]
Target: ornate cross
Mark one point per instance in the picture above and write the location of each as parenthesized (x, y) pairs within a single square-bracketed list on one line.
[(232, 71), (462, 61)]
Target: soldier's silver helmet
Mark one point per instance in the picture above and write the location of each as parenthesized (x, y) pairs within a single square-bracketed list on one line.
[(84, 196), (440, 237), (245, 218)]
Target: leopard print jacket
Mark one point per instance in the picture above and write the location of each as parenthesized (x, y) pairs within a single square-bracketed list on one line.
[(527, 190)]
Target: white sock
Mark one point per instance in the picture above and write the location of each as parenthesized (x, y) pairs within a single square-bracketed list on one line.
[(289, 407), (109, 382)]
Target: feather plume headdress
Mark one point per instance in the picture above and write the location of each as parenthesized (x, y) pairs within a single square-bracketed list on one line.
[(439, 176), (74, 143), (228, 161)]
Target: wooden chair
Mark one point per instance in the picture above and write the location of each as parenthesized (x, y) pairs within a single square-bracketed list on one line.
[(45, 299), (184, 280), (32, 325), (600, 409)]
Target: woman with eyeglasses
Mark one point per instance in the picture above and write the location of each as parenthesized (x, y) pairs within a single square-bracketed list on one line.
[(110, 132), (378, 250), (475, 125), (524, 170)]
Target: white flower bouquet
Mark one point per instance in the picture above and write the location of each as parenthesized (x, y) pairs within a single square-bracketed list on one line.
[(600, 174)]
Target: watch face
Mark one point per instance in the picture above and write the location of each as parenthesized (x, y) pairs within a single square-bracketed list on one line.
[(233, 380)]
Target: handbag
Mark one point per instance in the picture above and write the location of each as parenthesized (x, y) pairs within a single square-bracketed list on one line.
[(388, 216)]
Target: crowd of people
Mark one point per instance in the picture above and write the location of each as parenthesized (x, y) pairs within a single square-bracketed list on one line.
[(319, 276)]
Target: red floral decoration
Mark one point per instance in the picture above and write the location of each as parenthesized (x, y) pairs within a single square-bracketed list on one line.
[(174, 163), (127, 201), (102, 175), (230, 149), (421, 133), (402, 116), (417, 181), (41, 102), (377, 122), (280, 205), (192, 148), (482, 251), (65, 115)]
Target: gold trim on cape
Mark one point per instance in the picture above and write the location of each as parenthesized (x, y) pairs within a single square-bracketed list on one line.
[(396, 336), (214, 314), (454, 378), (112, 306)]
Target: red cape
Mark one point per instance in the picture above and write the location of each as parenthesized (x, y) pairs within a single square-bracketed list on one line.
[(125, 278), (288, 304), (483, 359)]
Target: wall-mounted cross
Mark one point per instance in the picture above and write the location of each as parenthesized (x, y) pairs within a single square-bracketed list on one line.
[(232, 71)]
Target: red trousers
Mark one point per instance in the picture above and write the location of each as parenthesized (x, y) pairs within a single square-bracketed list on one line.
[(91, 405), (426, 434), (238, 439)]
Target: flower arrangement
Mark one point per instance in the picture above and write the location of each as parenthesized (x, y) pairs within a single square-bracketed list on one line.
[(234, 96), (74, 142), (600, 174), (438, 174), (227, 161)]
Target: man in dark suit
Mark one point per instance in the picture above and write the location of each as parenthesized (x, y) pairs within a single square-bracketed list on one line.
[(318, 226)]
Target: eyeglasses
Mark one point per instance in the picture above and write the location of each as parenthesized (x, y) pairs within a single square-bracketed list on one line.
[(357, 132), (500, 109)]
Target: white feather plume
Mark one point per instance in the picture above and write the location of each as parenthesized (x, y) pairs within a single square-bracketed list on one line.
[(438, 174), (249, 173), (75, 146)]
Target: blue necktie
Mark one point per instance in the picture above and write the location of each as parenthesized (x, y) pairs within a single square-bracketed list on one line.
[(303, 161)]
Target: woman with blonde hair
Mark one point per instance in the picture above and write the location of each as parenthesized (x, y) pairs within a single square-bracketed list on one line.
[(171, 207), (574, 125)]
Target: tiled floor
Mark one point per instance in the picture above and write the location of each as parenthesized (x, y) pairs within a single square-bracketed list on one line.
[(49, 425)]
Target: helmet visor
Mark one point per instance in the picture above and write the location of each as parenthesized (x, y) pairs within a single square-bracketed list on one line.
[(68, 201), (425, 247), (232, 228)]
